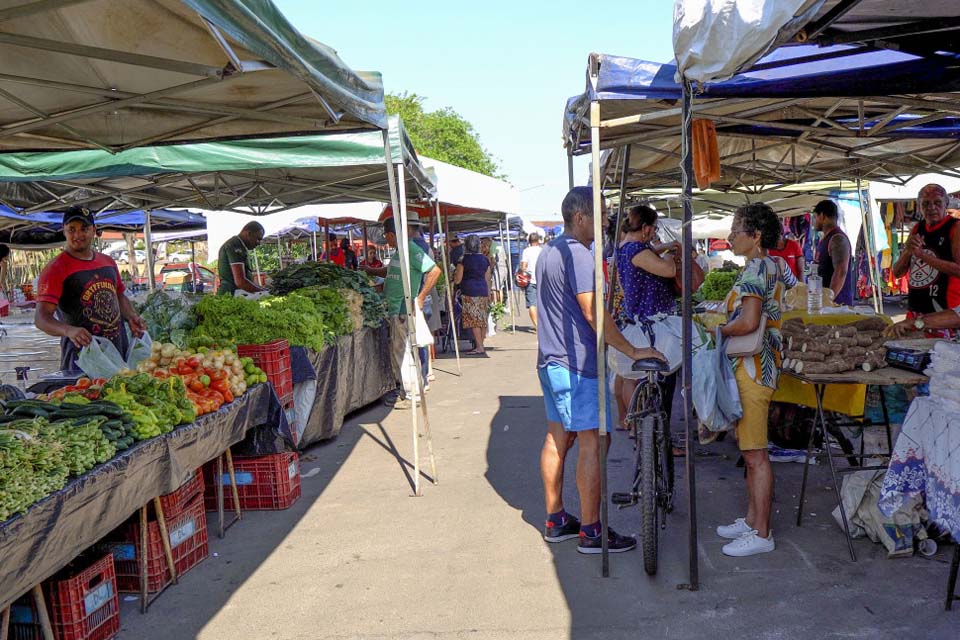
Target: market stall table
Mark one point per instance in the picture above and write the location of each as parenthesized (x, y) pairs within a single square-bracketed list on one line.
[(55, 530), (881, 378), (926, 461)]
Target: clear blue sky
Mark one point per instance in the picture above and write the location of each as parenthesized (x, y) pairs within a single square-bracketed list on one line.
[(507, 67)]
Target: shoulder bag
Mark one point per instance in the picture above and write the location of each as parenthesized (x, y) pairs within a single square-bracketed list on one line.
[(752, 343)]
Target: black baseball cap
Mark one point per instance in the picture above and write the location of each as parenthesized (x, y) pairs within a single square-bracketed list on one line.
[(78, 213)]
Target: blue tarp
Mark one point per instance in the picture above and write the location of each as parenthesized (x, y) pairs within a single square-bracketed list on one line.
[(44, 229), (854, 72)]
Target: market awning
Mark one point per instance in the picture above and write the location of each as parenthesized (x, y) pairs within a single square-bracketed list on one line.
[(44, 230), (248, 176), (716, 39), (780, 125), (118, 74)]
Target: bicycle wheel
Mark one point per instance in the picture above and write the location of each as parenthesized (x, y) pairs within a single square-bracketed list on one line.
[(649, 470)]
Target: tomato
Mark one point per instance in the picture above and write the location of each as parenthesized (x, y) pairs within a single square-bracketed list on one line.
[(196, 385), (227, 396), (161, 374), (99, 382), (217, 374), (185, 369), (84, 382), (221, 385), (195, 361)]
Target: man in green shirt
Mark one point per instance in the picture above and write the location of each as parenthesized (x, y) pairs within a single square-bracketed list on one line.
[(233, 262), (424, 274)]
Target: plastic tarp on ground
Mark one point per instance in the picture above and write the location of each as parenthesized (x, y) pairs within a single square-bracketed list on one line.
[(780, 125), (116, 74), (44, 230), (57, 529), (714, 39)]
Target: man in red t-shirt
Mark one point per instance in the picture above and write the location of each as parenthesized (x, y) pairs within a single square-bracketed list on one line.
[(792, 254), (80, 294)]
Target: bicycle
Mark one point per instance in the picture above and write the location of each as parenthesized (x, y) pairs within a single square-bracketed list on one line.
[(653, 473)]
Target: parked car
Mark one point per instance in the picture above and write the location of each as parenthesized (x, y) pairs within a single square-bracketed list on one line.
[(176, 276), (124, 256)]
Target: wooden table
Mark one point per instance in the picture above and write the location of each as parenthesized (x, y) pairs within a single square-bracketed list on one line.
[(888, 376)]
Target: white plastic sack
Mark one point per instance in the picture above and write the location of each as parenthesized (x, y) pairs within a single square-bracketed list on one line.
[(704, 389), (100, 359), (423, 337), (140, 350), (729, 408), (668, 340), (712, 39)]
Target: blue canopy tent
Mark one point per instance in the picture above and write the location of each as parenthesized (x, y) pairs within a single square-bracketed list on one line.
[(801, 114), (43, 230)]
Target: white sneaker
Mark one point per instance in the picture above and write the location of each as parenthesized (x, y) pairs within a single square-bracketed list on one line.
[(735, 530), (749, 544)]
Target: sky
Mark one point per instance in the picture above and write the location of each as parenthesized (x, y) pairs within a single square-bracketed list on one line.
[(506, 67)]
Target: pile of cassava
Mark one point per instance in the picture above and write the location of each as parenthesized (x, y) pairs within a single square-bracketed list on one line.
[(812, 348)]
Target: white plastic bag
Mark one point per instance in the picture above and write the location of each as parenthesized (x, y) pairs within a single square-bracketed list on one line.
[(668, 334), (100, 359), (704, 389), (140, 349), (423, 337), (729, 408)]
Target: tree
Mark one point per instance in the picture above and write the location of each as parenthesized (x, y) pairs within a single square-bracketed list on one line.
[(442, 134)]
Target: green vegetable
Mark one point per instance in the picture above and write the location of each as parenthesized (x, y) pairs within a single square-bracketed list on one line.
[(717, 284), (310, 274)]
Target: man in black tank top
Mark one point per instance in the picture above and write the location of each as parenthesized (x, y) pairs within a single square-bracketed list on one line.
[(931, 256)]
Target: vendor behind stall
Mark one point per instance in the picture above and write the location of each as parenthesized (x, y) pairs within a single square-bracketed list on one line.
[(233, 261), (931, 257), (80, 294)]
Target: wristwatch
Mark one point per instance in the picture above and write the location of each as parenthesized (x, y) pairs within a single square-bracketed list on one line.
[(919, 324)]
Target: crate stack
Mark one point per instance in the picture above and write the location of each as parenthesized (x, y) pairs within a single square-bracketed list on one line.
[(264, 483)]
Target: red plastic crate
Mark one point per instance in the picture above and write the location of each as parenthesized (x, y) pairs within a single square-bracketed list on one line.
[(274, 358), (174, 503), (264, 483), (188, 541), (83, 603)]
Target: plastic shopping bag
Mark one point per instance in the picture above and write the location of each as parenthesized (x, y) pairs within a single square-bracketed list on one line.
[(100, 359), (667, 339), (140, 349), (704, 389), (728, 394), (423, 337)]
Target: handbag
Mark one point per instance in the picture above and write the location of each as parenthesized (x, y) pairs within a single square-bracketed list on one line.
[(698, 277), (752, 343), (522, 278)]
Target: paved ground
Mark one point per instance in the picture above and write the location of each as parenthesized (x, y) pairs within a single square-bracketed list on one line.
[(358, 557)]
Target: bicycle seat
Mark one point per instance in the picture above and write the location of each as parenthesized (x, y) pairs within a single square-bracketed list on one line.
[(650, 364)]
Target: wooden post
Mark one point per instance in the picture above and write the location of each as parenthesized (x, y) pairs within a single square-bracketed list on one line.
[(233, 487), (4, 622), (165, 539), (42, 614), (219, 482)]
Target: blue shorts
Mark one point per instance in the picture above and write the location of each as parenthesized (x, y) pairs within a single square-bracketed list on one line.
[(571, 399), (531, 295)]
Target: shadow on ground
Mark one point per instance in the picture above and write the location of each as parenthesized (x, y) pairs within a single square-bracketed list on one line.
[(807, 588)]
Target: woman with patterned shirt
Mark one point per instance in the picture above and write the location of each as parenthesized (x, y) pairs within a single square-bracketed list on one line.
[(758, 291)]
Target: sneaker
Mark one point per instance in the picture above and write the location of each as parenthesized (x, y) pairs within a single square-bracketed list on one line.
[(617, 543), (735, 530), (749, 544), (559, 533)]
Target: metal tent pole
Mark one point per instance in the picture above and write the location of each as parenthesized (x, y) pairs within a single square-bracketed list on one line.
[(687, 337), (453, 316), (315, 256), (148, 242), (451, 319), (194, 271), (614, 273), (513, 317), (416, 364), (569, 169), (365, 240), (279, 252), (511, 282), (599, 311), (866, 219)]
